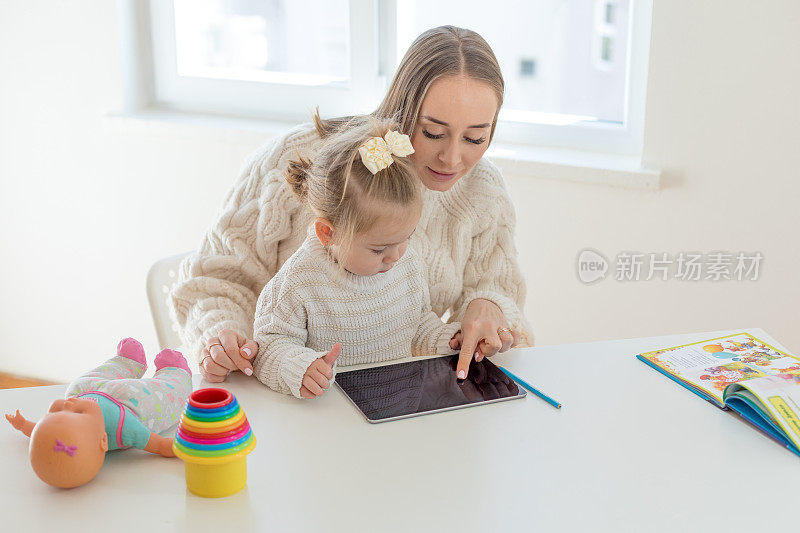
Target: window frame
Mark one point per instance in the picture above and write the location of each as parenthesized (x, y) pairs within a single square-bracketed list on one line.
[(277, 101), (150, 81)]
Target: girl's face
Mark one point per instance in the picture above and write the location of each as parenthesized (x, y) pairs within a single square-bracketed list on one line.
[(452, 130), (378, 249)]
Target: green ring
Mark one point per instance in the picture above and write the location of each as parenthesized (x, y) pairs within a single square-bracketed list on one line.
[(214, 453), (206, 419)]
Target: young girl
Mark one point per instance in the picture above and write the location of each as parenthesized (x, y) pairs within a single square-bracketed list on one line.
[(353, 292)]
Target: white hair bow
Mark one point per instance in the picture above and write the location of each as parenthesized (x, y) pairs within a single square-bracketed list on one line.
[(377, 152)]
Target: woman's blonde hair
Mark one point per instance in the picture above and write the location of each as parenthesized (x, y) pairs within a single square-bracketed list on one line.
[(437, 53), (338, 187)]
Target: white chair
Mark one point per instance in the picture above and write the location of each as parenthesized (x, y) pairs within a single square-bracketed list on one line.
[(163, 275)]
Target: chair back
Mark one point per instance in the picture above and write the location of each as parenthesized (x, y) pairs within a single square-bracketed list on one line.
[(161, 278)]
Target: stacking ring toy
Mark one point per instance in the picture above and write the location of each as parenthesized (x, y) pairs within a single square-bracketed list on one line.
[(213, 439)]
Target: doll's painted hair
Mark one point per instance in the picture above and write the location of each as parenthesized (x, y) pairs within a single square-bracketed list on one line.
[(337, 186), (64, 461)]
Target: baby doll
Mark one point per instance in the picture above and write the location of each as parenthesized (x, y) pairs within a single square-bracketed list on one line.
[(109, 408)]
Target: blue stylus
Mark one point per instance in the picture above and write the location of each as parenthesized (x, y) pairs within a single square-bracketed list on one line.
[(531, 388)]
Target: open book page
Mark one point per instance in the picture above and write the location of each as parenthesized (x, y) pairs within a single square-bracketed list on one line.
[(710, 366), (777, 397)]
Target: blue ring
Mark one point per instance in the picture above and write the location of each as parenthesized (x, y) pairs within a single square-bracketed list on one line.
[(230, 409), (232, 405)]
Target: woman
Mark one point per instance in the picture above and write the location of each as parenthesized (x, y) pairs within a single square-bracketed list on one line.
[(447, 94)]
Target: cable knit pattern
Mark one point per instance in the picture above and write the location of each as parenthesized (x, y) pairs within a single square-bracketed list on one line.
[(310, 304), (465, 239)]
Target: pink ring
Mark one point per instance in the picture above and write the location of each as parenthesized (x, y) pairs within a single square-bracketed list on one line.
[(211, 442)]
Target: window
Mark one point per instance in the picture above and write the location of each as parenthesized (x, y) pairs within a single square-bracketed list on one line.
[(254, 41), (575, 70), (606, 33), (264, 58)]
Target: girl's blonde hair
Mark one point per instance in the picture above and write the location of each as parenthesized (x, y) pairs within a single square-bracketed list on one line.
[(437, 53), (339, 188)]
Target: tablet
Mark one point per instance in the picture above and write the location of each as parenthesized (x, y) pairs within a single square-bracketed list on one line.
[(422, 387)]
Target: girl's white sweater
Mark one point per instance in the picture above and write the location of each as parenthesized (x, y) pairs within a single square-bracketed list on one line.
[(311, 303)]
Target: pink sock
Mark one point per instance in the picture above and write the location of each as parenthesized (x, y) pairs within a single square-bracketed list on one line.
[(169, 357), (132, 349)]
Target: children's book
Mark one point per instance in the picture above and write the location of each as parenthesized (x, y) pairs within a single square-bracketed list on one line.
[(743, 374)]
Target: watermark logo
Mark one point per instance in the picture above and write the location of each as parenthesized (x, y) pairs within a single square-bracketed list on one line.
[(592, 266), (684, 266)]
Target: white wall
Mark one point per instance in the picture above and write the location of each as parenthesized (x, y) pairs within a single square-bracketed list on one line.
[(722, 115), (87, 204)]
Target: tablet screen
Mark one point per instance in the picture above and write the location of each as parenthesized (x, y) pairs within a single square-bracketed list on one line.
[(419, 387)]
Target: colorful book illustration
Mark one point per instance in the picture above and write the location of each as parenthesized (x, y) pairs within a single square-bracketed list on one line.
[(743, 374)]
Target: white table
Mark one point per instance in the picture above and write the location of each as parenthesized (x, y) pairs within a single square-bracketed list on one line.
[(629, 451)]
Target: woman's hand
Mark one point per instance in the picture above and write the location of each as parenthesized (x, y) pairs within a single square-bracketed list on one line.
[(485, 381), (317, 378), (225, 353), (482, 334)]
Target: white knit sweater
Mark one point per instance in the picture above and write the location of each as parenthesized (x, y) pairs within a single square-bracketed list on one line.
[(311, 303), (465, 239)]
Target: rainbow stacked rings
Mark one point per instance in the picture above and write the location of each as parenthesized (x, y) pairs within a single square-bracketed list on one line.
[(213, 440)]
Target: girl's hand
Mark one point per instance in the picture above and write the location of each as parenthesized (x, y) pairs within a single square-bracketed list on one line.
[(317, 378), (225, 353), (482, 334), (455, 342)]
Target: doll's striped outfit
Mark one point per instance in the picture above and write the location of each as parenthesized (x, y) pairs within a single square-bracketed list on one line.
[(134, 406)]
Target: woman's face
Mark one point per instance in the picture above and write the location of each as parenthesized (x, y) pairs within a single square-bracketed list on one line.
[(452, 130)]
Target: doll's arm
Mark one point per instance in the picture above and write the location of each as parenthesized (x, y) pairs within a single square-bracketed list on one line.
[(19, 422), (159, 445)]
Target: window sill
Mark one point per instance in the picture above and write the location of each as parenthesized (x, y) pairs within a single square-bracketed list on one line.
[(519, 160), (187, 125), (574, 166)]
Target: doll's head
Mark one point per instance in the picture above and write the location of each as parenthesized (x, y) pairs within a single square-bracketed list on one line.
[(69, 444)]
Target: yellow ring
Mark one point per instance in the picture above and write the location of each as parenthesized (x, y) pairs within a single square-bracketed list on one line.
[(193, 425)]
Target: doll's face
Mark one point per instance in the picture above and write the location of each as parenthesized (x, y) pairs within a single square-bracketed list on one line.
[(69, 443)]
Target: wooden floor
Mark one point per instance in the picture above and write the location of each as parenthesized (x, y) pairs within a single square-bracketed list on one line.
[(8, 381)]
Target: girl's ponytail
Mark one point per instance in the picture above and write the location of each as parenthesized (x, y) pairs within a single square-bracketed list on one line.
[(297, 175), (337, 185)]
